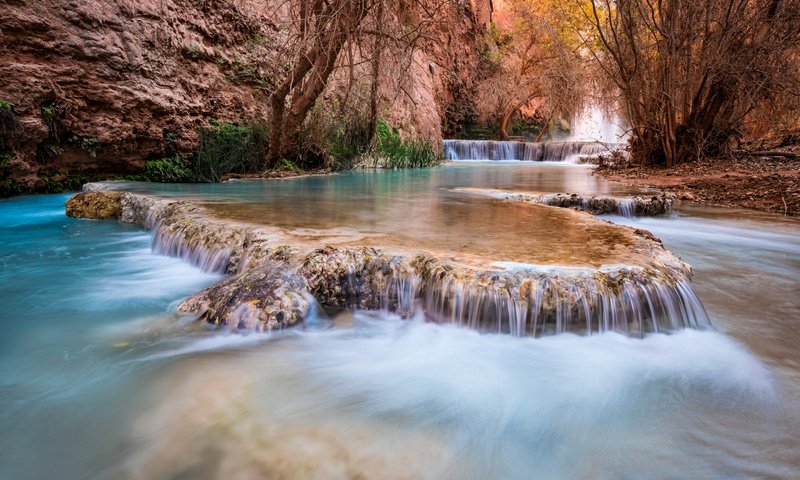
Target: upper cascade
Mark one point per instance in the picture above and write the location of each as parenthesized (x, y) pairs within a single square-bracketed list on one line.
[(566, 151)]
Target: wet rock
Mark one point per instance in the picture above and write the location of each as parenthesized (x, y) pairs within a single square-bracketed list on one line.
[(629, 206), (97, 205), (267, 297), (603, 205)]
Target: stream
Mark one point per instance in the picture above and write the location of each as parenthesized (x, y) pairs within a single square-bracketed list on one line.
[(100, 378)]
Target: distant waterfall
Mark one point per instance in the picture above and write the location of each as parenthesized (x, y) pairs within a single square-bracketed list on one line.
[(594, 125), (525, 151)]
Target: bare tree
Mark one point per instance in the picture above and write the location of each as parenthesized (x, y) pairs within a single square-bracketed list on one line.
[(322, 30), (362, 40), (691, 71)]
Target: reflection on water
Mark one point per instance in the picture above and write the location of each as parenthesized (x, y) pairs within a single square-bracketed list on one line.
[(100, 380), (416, 209)]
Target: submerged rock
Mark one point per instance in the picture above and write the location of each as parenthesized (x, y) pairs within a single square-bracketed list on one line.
[(97, 205)]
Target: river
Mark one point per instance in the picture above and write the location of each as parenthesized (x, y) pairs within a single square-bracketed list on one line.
[(101, 379)]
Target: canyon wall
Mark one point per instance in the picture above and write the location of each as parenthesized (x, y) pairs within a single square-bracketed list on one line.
[(93, 89)]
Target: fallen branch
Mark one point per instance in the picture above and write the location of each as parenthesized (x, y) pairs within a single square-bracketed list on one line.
[(767, 153)]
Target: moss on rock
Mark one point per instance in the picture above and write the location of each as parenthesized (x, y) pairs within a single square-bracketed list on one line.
[(96, 205)]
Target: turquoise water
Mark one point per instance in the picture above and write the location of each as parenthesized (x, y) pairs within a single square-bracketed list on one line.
[(67, 287), (100, 379)]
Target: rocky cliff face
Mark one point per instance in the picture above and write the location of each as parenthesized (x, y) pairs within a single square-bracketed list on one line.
[(432, 92), (93, 89)]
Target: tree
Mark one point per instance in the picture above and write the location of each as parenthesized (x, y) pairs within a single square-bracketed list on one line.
[(691, 71), (534, 65), (334, 47), (322, 29)]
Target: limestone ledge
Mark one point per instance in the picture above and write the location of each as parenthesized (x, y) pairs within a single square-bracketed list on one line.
[(274, 276), (628, 206)]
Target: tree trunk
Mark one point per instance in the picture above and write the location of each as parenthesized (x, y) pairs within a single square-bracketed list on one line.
[(334, 23), (376, 70), (544, 127), (508, 114)]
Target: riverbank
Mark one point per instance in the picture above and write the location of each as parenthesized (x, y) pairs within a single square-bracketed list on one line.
[(768, 184)]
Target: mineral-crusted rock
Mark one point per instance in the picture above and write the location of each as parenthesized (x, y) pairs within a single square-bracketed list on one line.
[(274, 274), (96, 205), (268, 297), (629, 206)]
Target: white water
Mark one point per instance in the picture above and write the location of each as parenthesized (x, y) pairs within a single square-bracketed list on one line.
[(417, 400), (480, 150), (594, 125), (593, 132)]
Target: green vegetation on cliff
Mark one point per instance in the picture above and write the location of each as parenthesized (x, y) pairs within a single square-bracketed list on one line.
[(230, 148)]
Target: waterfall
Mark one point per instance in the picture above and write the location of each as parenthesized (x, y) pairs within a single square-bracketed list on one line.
[(593, 125), (208, 259), (520, 300), (568, 151), (516, 299), (550, 305)]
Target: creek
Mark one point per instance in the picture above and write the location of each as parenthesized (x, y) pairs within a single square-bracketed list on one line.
[(101, 378)]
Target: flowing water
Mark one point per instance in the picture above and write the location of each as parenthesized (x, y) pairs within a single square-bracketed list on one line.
[(555, 151), (100, 379)]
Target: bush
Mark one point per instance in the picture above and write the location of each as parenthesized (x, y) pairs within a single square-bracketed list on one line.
[(9, 125), (230, 148), (399, 153), (348, 142), (336, 136), (10, 187), (169, 170)]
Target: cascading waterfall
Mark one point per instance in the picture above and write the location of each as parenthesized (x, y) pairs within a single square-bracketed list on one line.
[(593, 124), (627, 207), (549, 305), (458, 150), (520, 300), (209, 260)]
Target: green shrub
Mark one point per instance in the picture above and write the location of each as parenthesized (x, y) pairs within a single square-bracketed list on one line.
[(246, 71), (230, 148), (400, 153), (169, 170), (75, 181), (9, 125), (347, 143), (289, 165), (336, 135), (10, 187)]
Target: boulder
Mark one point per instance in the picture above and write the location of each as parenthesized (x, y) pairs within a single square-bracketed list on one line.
[(97, 205)]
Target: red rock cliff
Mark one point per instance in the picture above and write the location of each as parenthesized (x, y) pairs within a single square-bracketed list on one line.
[(100, 87)]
